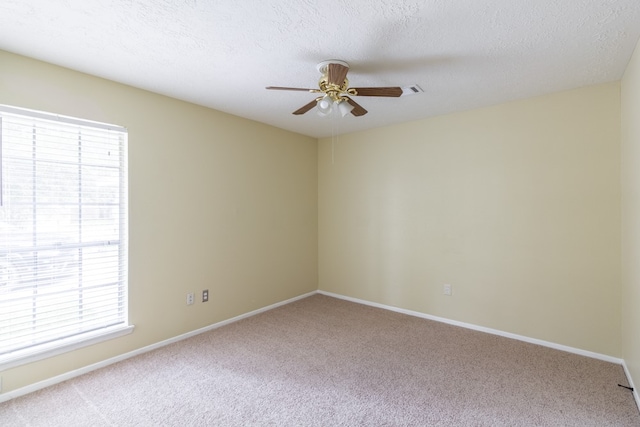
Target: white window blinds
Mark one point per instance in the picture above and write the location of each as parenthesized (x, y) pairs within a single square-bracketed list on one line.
[(63, 231)]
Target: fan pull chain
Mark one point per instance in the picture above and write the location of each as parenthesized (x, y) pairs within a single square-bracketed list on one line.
[(332, 151), (334, 134)]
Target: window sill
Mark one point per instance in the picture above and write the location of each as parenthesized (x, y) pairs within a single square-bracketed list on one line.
[(62, 346)]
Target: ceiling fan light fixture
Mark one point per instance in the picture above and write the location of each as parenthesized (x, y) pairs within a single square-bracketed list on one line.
[(323, 114), (344, 107), (325, 105), (334, 86)]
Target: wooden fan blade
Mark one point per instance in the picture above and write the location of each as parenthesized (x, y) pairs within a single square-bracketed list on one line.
[(336, 73), (289, 88), (305, 108), (358, 110), (378, 91)]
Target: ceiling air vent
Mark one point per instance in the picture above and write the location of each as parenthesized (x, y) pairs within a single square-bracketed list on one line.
[(411, 90)]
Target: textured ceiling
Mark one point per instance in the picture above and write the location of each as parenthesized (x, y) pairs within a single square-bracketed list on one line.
[(221, 54)]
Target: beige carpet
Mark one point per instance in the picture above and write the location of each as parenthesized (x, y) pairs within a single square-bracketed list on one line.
[(322, 361)]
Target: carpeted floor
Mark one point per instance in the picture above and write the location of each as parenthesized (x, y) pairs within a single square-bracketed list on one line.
[(321, 361)]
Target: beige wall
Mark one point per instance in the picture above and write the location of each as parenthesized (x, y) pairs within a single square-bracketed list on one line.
[(516, 206), (216, 202), (631, 217)]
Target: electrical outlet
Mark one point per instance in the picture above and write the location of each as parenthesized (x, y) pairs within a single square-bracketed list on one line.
[(205, 295), (190, 298), (447, 290)]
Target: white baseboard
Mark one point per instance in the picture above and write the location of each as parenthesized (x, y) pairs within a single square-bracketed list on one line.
[(635, 390), (75, 373), (581, 352)]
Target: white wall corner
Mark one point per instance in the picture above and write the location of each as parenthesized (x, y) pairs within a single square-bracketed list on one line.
[(636, 395)]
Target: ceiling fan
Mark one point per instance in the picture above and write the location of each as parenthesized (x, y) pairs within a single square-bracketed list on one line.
[(334, 86)]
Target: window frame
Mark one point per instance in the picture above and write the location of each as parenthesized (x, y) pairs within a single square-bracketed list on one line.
[(82, 339)]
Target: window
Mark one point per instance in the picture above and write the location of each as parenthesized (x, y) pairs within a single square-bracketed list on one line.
[(63, 234)]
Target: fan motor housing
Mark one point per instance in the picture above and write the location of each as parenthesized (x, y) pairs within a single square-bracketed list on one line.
[(327, 87)]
